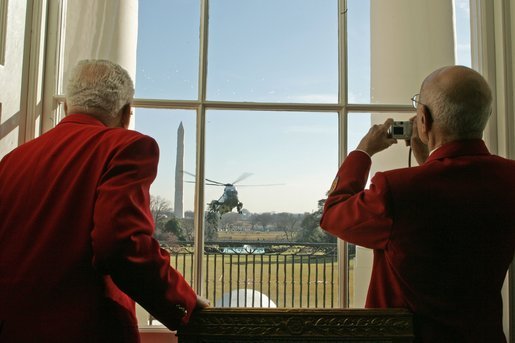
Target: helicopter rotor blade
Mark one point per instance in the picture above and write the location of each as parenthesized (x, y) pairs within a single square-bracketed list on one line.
[(209, 184), (213, 181), (263, 185), (216, 182), (242, 177), (190, 174)]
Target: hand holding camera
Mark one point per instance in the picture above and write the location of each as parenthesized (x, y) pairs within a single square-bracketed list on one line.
[(382, 136), (377, 138)]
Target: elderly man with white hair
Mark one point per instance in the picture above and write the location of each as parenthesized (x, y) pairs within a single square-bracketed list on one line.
[(76, 245)]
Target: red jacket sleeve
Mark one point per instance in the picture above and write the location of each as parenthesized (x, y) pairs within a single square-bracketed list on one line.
[(123, 246), (353, 213)]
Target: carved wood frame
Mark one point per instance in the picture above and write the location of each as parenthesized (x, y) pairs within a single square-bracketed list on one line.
[(298, 325)]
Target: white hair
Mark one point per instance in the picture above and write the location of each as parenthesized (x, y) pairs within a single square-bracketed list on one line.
[(99, 87), (459, 118), (462, 109)]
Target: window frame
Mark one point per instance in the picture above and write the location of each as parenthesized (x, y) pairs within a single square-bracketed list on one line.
[(202, 105)]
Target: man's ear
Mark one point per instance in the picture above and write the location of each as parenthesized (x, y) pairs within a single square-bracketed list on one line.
[(427, 119), (125, 117)]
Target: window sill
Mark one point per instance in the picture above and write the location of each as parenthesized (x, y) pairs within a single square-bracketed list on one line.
[(157, 335)]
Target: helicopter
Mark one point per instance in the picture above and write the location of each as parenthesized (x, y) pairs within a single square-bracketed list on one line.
[(229, 199)]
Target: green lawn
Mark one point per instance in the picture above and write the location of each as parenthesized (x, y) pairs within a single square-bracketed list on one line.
[(303, 281)]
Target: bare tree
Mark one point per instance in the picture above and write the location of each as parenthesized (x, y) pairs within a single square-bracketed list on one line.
[(288, 222), (265, 219), (228, 220), (254, 220), (189, 214), (161, 209)]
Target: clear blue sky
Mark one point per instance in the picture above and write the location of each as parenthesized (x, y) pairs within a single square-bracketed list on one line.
[(266, 50)]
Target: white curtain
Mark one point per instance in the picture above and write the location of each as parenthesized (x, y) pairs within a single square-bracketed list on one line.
[(101, 29)]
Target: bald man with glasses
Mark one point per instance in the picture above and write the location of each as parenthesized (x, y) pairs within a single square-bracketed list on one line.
[(443, 232)]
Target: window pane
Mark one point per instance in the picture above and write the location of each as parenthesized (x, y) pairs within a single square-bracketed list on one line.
[(273, 51), (358, 45), (171, 206), (273, 253), (168, 49), (393, 45), (462, 30), (396, 156)]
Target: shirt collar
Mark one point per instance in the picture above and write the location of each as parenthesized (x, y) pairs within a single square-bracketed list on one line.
[(81, 119), (459, 148)]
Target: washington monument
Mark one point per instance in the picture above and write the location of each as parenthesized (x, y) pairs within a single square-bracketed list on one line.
[(179, 174)]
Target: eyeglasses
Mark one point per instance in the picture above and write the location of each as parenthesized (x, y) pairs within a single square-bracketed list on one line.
[(415, 102)]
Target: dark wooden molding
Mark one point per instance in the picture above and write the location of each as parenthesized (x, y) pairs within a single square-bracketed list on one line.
[(298, 325)]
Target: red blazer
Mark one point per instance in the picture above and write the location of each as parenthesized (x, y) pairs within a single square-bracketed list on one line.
[(443, 235), (76, 238)]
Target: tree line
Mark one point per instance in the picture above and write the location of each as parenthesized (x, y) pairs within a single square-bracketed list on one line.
[(295, 227)]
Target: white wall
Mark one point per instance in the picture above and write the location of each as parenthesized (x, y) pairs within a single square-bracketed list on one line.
[(409, 39)]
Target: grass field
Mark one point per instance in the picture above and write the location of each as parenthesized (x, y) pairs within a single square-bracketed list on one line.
[(289, 281), (303, 281)]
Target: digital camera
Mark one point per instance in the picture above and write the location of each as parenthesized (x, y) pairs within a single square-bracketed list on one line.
[(401, 130)]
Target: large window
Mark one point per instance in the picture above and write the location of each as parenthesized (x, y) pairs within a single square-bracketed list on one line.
[(262, 84), (254, 104)]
